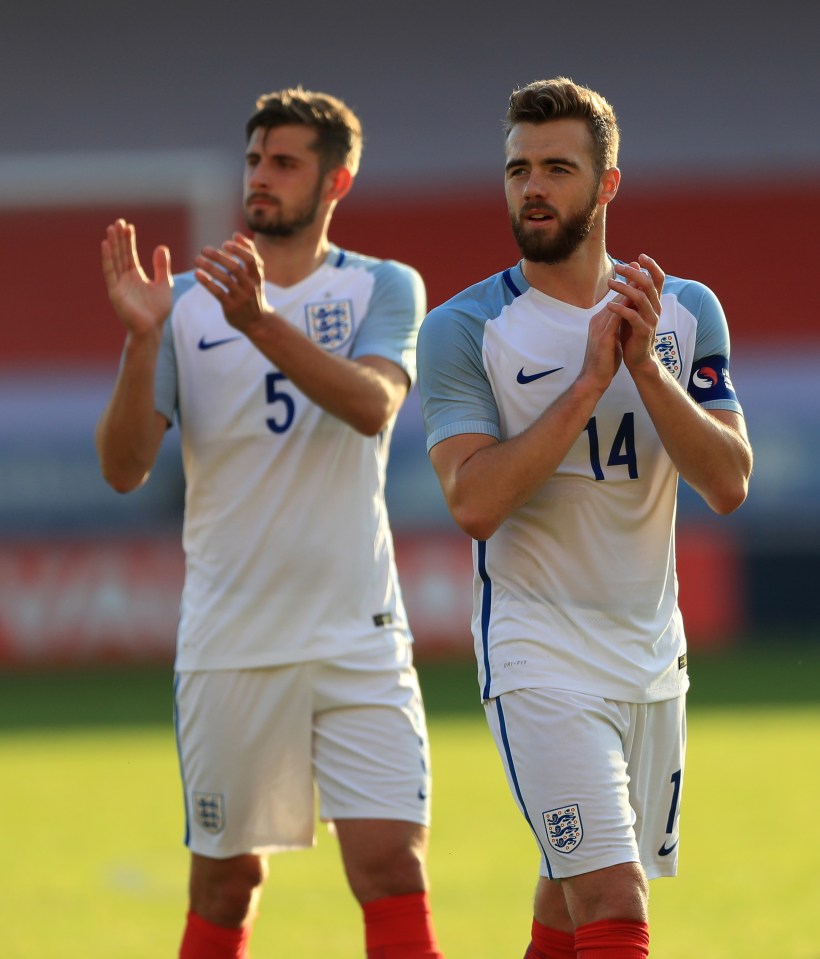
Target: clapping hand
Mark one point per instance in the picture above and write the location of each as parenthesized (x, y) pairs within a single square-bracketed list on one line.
[(234, 274), (141, 303)]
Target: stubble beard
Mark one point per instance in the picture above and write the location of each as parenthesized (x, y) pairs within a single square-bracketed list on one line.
[(274, 223), (572, 232)]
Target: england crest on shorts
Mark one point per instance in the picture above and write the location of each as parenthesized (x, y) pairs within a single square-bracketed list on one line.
[(209, 811), (330, 324), (666, 346), (564, 828)]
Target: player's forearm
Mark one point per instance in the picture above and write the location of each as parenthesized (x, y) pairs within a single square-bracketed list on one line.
[(488, 486), (715, 460), (355, 392), (129, 431), (710, 450)]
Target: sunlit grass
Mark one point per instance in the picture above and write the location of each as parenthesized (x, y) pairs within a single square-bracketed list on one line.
[(90, 833)]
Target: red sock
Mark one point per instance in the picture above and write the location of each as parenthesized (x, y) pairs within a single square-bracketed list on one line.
[(612, 939), (204, 940), (549, 943), (400, 927)]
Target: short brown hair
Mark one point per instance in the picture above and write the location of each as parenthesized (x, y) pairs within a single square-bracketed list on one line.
[(561, 98), (339, 132)]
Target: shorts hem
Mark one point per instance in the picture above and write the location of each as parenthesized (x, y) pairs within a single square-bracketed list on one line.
[(261, 849), (631, 696), (582, 868), (419, 816)]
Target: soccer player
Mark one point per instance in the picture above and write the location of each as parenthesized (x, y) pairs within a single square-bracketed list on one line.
[(285, 360), (562, 399)]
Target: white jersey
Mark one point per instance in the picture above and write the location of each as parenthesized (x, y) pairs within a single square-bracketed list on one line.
[(577, 589), (288, 551)]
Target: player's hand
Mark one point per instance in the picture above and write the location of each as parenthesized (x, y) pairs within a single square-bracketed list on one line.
[(638, 305), (603, 355), (142, 304), (235, 275)]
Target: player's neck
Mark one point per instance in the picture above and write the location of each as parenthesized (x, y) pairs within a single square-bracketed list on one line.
[(580, 280), (288, 260)]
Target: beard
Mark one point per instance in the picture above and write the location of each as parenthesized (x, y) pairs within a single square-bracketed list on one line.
[(571, 233), (276, 223)]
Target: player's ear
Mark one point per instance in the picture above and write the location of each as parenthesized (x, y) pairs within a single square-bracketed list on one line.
[(339, 181), (608, 187)]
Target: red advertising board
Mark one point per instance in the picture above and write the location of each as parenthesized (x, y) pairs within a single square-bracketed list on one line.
[(70, 602)]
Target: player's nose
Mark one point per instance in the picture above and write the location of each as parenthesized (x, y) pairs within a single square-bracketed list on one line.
[(535, 187)]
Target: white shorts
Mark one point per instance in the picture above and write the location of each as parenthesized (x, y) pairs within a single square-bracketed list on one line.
[(255, 744), (599, 782)]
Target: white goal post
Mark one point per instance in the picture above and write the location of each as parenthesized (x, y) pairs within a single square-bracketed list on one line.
[(205, 182)]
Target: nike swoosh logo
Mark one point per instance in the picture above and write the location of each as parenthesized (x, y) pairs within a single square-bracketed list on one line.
[(666, 850), (210, 344), (525, 378)]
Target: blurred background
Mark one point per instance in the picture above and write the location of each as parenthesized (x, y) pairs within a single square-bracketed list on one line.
[(138, 110)]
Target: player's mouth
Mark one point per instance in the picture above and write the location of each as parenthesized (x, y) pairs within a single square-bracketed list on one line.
[(261, 199), (537, 214)]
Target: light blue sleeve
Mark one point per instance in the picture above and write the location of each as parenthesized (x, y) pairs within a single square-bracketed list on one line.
[(456, 395), (394, 315), (165, 385), (713, 331), (712, 348)]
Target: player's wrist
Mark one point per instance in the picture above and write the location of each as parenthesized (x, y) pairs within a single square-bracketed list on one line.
[(143, 340), (647, 368), (587, 390), (262, 328)]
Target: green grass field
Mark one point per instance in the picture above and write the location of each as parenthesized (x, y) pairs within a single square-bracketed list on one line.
[(93, 865)]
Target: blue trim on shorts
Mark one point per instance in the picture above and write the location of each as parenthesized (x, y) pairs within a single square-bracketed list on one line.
[(486, 601), (503, 729), (187, 837)]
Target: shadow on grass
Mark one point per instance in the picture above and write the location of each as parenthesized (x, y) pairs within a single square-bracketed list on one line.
[(759, 673)]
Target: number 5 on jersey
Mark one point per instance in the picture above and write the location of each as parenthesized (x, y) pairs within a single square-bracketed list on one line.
[(285, 408)]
